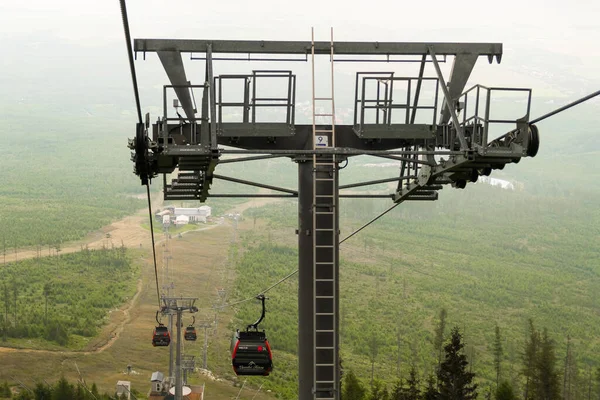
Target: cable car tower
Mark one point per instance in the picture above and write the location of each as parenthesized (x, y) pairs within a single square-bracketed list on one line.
[(454, 147)]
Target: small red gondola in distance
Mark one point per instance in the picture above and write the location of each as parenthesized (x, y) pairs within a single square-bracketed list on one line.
[(161, 335)]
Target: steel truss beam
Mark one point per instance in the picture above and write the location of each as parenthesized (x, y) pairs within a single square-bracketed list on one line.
[(324, 48)]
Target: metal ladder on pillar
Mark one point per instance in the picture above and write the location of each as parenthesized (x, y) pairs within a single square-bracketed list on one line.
[(325, 237)]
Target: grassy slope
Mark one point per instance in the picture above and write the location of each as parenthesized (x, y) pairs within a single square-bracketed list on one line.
[(488, 256), (83, 288)]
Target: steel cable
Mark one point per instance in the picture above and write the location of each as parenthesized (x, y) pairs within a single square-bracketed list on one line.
[(139, 113)]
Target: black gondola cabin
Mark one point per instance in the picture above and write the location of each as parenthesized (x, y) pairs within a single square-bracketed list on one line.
[(251, 353), (161, 336)]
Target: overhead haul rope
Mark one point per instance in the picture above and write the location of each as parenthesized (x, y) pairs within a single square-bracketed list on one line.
[(566, 107), (139, 113)]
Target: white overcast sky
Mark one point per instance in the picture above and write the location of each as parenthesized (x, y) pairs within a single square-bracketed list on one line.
[(569, 30), (569, 26)]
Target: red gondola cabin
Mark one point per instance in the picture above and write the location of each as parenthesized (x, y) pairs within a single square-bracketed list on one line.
[(251, 354), (161, 336)]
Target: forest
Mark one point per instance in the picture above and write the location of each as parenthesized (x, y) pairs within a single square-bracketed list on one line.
[(63, 300)]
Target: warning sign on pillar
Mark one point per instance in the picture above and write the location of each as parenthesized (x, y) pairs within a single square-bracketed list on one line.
[(322, 141)]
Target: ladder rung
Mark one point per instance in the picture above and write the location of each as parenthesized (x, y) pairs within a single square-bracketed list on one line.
[(324, 230), (323, 115), (325, 331), (324, 313), (324, 297), (324, 280), (324, 163), (325, 382), (324, 365), (324, 262), (324, 212), (325, 348), (324, 179), (323, 130), (323, 98)]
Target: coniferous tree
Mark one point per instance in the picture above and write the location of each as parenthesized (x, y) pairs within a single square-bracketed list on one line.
[(373, 343), (62, 390), (96, 394), (24, 395), (378, 391), (5, 391), (42, 392), (431, 392), (498, 352), (47, 291), (548, 382), (352, 390), (439, 336), (530, 361), (567, 371), (505, 391), (455, 381), (398, 390), (413, 392), (598, 383)]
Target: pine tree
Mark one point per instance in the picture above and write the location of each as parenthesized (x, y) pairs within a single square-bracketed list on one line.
[(42, 391), (439, 336), (455, 382), (497, 354), (62, 390), (373, 343), (378, 391), (5, 391), (548, 384), (398, 391), (598, 383), (352, 390), (431, 392), (505, 391), (47, 291), (413, 392), (530, 360), (96, 394)]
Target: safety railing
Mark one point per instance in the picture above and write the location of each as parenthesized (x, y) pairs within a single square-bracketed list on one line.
[(252, 100), (382, 100), (475, 105)]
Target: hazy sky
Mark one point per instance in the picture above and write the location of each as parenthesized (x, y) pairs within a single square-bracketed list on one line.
[(569, 25), (537, 34)]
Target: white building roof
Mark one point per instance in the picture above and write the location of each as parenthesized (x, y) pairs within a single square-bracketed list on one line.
[(157, 377)]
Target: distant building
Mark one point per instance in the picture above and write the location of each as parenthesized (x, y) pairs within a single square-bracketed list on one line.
[(158, 384), (124, 388), (182, 220), (200, 214), (497, 182)]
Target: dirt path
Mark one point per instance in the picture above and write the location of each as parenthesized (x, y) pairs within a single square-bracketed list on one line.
[(128, 232)]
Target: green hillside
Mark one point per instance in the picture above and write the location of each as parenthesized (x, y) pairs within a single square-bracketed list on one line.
[(62, 301), (487, 255)]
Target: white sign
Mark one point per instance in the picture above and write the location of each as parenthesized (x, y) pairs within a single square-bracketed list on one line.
[(322, 141)]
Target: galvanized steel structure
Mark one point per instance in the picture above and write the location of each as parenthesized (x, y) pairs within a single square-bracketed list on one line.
[(453, 147)]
